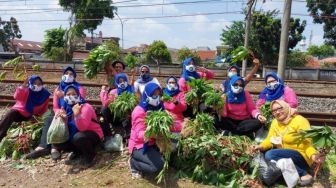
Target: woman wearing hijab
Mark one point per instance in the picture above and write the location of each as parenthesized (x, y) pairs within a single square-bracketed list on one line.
[(177, 105), (234, 70), (189, 71), (276, 90), (239, 115), (144, 79), (68, 78), (31, 99), (281, 140), (145, 157), (108, 96), (84, 129)]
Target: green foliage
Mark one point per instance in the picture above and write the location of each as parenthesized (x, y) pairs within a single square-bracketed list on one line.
[(9, 30), (158, 125), (322, 51), (123, 105), (166, 97), (264, 38), (323, 138), (194, 96), (184, 53), (53, 42), (265, 111), (18, 68), (99, 57), (321, 11), (131, 61), (239, 54), (158, 53), (214, 99), (296, 59)]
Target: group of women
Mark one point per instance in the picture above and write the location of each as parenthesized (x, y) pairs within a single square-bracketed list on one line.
[(240, 115)]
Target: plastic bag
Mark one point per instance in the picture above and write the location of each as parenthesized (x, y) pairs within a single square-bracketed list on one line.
[(58, 131), (261, 135), (289, 171), (114, 143), (269, 173)]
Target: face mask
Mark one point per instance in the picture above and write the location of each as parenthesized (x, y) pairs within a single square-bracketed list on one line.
[(123, 85), (145, 76), (230, 74), (171, 87), (36, 88), (237, 89), (273, 85), (67, 78), (154, 101), (191, 68), (71, 100)]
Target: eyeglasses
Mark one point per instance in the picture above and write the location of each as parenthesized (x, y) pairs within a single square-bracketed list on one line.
[(276, 110), (144, 71), (236, 85)]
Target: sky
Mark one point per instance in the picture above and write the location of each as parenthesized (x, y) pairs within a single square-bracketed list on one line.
[(202, 27)]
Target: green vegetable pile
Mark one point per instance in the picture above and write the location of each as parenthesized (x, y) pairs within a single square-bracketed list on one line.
[(214, 159), (265, 111), (158, 125), (241, 53), (131, 61), (123, 105), (19, 68), (166, 97), (21, 138)]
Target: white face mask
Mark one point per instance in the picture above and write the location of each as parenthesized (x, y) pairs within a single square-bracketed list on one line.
[(36, 88), (171, 87), (123, 85), (191, 68), (273, 85), (72, 99), (68, 78), (154, 101), (230, 74), (237, 89)]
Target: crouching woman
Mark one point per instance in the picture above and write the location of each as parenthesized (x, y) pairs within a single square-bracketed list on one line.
[(85, 132)]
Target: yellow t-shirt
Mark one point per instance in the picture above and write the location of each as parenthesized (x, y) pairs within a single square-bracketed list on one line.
[(289, 134)]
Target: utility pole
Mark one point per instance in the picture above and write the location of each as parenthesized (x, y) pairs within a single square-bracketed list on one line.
[(247, 32), (284, 39)]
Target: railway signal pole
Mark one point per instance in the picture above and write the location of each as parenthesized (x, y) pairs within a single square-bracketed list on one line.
[(284, 39)]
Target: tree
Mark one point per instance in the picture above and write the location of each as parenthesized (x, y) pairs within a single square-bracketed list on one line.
[(264, 35), (296, 59), (9, 30), (158, 53), (323, 12), (322, 51), (54, 44), (184, 53)]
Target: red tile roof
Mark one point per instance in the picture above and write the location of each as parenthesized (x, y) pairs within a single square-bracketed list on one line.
[(328, 60), (206, 55), (25, 45)]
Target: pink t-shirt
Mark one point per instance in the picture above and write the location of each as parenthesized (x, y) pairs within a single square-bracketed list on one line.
[(177, 111), (106, 98)]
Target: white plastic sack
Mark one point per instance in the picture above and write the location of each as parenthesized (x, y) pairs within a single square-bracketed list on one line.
[(114, 143), (58, 131), (289, 171)]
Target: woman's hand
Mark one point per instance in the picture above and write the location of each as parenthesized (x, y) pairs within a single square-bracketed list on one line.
[(61, 113), (25, 79), (262, 118), (202, 69), (59, 93), (76, 109), (318, 158), (103, 88), (255, 148), (256, 62)]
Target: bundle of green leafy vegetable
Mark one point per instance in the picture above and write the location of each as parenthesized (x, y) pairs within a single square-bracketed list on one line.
[(241, 53), (19, 68), (131, 61), (265, 111), (123, 105)]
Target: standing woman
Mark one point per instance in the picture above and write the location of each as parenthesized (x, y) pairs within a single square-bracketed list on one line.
[(144, 79), (84, 130), (145, 157), (277, 90), (31, 99), (68, 78), (240, 115), (190, 70), (177, 105)]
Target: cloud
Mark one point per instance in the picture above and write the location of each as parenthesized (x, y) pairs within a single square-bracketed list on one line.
[(317, 40)]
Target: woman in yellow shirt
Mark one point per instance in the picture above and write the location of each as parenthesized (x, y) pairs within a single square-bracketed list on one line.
[(281, 140)]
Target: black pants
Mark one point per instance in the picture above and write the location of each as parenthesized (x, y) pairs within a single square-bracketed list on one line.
[(122, 127), (150, 162), (83, 143), (8, 119), (238, 127), (43, 139)]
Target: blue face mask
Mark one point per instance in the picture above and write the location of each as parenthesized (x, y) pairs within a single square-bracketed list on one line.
[(123, 85), (273, 85), (230, 74), (237, 89), (145, 76)]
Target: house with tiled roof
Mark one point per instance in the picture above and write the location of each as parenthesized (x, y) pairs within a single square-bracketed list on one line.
[(25, 46)]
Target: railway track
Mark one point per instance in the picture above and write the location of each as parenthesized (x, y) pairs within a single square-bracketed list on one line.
[(164, 75), (315, 118)]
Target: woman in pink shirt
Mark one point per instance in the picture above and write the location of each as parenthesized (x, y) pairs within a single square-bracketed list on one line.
[(240, 115), (84, 129), (145, 157), (31, 99)]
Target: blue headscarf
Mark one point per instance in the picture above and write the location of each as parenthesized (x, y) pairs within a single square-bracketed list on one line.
[(63, 84), (144, 80), (186, 74), (129, 88), (68, 109), (174, 92), (149, 90), (237, 98), (270, 95), (35, 98), (226, 83)]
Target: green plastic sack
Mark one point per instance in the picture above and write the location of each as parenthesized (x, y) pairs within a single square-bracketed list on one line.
[(58, 131)]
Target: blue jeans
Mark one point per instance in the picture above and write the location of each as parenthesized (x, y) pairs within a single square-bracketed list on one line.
[(150, 162), (300, 163)]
